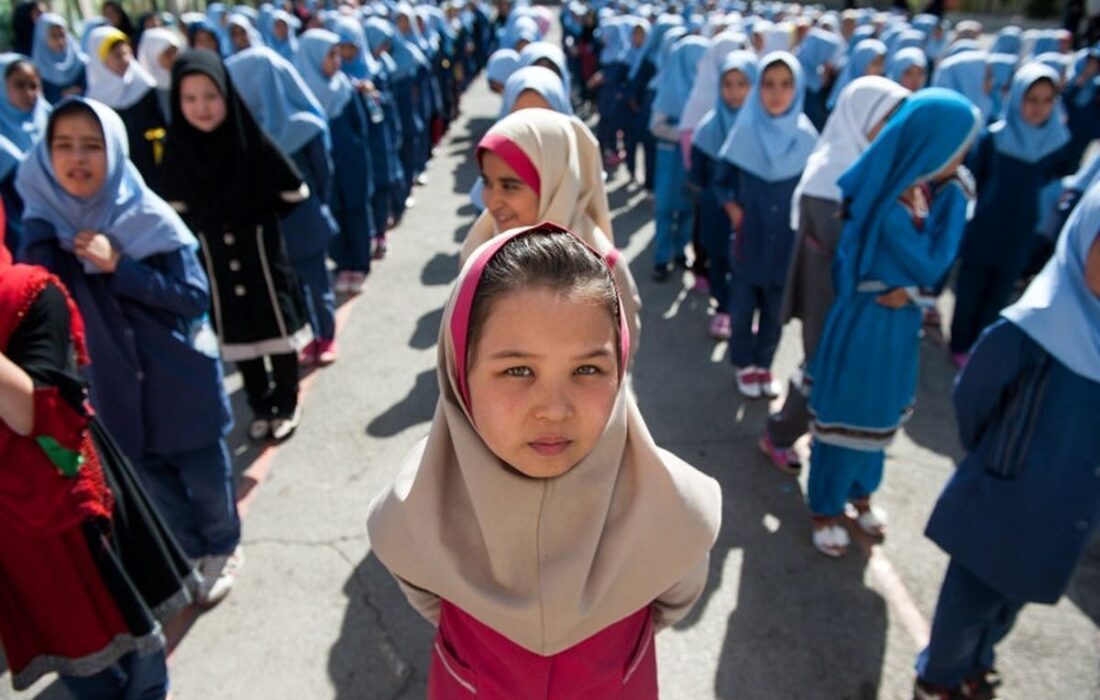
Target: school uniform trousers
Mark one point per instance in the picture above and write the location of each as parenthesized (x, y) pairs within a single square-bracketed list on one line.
[(1022, 507), (353, 184), (675, 206), (715, 231)]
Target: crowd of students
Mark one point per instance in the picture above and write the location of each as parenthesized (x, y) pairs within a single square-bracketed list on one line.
[(178, 191)]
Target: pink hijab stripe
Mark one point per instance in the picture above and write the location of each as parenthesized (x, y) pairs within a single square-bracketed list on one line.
[(464, 303), (514, 156)]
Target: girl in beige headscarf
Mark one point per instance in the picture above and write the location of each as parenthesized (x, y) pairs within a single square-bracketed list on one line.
[(538, 165), (538, 525)]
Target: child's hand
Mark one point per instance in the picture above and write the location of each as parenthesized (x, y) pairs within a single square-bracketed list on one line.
[(894, 299), (96, 249), (735, 213), (595, 81)]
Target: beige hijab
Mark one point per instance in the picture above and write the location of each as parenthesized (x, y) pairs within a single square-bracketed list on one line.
[(567, 157), (545, 562)]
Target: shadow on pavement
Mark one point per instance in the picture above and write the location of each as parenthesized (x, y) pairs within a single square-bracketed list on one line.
[(417, 407), (427, 330), (384, 645), (440, 270), (1084, 587)]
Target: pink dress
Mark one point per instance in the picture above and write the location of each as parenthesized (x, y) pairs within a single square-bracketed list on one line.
[(471, 660)]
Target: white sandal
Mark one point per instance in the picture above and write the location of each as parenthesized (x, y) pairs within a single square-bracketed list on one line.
[(871, 521), (832, 540)]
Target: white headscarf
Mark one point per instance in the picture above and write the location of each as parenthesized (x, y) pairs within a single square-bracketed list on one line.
[(861, 105), (704, 92), (115, 91), (153, 43)]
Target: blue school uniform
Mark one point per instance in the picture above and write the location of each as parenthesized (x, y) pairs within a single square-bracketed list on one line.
[(285, 108), (884, 246), (762, 162), (1011, 162), (614, 69), (1082, 102), (352, 171), (817, 50), (156, 378), (1024, 504), (640, 92), (675, 206), (59, 70)]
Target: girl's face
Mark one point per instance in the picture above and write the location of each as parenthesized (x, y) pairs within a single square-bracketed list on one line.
[(777, 89), (543, 380), (118, 58), (112, 15), (521, 44), (23, 86), (877, 66), (331, 63), (78, 153), (1092, 267), (638, 37), (496, 86), (152, 22), (206, 40), (201, 102), (735, 88), (403, 25), (348, 51), (55, 39), (912, 78), (1038, 102), (280, 30), (510, 201), (239, 37), (168, 57), (530, 99)]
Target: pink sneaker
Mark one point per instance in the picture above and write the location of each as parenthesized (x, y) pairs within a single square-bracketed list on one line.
[(327, 352), (720, 327), (701, 286), (782, 458), (308, 356)]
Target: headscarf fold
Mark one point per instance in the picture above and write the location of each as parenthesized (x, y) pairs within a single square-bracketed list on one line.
[(1058, 310), (717, 124), (19, 130), (1016, 138), (138, 222), (106, 86), (546, 563), (859, 60), (59, 68), (772, 148)]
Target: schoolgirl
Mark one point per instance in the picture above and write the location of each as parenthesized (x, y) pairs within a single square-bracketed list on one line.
[(868, 57), (1033, 380), (23, 116), (88, 569), (547, 55), (203, 34), (550, 482), (501, 65), (614, 42), (284, 39), (242, 35), (761, 163), (640, 93), (407, 84), (1081, 99), (156, 53), (58, 57), (905, 213), (281, 103), (319, 63), (860, 114), (704, 90), (131, 265), (736, 77), (1011, 162), (908, 68), (121, 83), (410, 42), (969, 74), (818, 53), (232, 185), (674, 208)]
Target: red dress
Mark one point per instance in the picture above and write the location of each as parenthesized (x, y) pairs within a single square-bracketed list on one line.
[(471, 660)]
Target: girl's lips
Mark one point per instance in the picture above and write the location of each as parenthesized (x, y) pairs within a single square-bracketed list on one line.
[(551, 447)]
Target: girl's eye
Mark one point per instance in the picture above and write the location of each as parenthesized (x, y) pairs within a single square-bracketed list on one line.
[(519, 372), (588, 370)]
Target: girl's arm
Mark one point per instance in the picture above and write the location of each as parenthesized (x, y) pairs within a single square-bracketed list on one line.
[(724, 184), (698, 176), (320, 165), (661, 127), (675, 603), (926, 255), (174, 282), (16, 397), (979, 160), (995, 363)]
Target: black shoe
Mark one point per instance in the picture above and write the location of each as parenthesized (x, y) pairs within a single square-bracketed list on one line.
[(682, 262), (661, 273)]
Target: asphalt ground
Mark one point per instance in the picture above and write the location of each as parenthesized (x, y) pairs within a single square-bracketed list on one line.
[(315, 615)]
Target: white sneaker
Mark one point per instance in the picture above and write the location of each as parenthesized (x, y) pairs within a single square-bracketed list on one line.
[(769, 385), (422, 179), (831, 540), (219, 572), (282, 428), (872, 521), (343, 282), (410, 202), (747, 384)]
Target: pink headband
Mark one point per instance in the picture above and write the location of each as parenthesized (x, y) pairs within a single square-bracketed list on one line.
[(464, 304), (514, 156)]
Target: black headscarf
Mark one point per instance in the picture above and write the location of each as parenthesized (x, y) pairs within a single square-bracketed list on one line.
[(22, 28), (233, 174)]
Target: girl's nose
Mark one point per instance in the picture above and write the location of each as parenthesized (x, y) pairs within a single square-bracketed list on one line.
[(553, 405)]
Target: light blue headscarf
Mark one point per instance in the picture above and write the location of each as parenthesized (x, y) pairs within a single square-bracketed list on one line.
[(215, 12), (1001, 67), (522, 29), (910, 38), (862, 54), (501, 65), (138, 222), (1013, 136), (772, 148), (631, 53), (928, 131), (818, 48), (861, 34), (545, 51), (677, 75), (407, 56), (288, 47), (278, 98), (905, 59), (543, 81), (612, 37), (1046, 41), (961, 46), (716, 125), (1087, 91), (349, 31), (654, 41), (1060, 63), (1009, 40), (965, 74), (378, 32), (19, 130), (1058, 311), (60, 68), (86, 29), (244, 24), (333, 93)]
